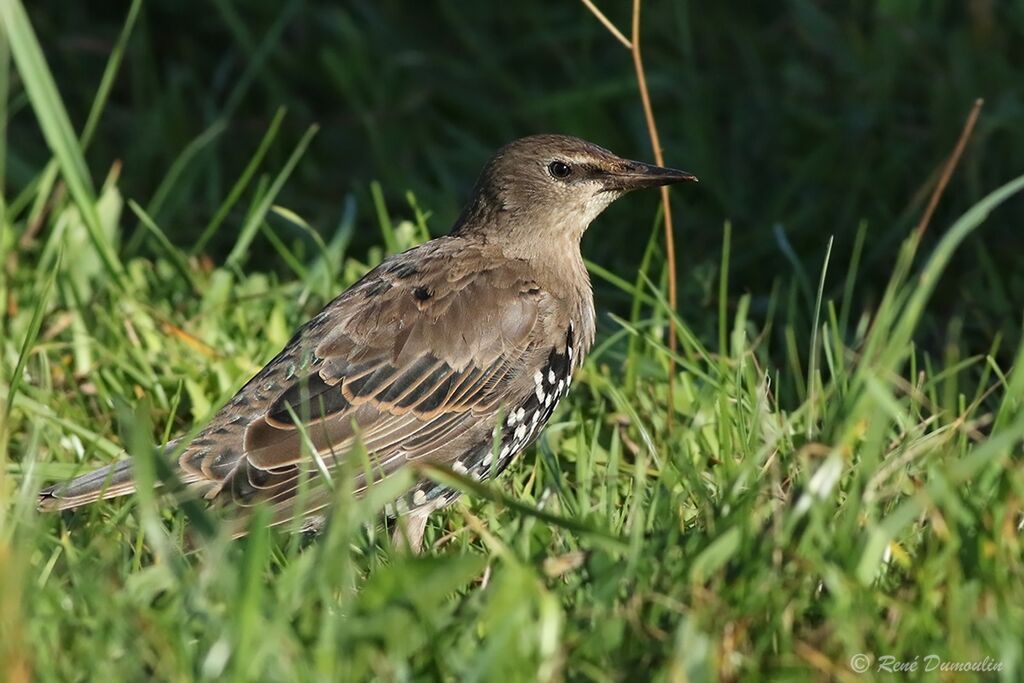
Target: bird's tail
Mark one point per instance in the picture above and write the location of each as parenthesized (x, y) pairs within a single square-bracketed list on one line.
[(107, 482)]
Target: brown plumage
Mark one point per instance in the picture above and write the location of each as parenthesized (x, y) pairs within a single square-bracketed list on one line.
[(456, 351)]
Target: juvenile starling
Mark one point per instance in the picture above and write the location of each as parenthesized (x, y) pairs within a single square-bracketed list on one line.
[(456, 351)]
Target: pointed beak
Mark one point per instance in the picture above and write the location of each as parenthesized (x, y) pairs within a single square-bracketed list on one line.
[(633, 175)]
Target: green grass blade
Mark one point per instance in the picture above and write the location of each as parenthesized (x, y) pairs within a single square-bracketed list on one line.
[(813, 378), (241, 184), (190, 152), (259, 213), (177, 258), (56, 126), (27, 344), (109, 74)]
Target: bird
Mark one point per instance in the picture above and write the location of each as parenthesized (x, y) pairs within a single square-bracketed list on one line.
[(455, 352)]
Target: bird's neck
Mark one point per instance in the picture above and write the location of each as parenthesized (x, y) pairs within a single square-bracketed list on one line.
[(555, 259), (558, 266), (550, 244)]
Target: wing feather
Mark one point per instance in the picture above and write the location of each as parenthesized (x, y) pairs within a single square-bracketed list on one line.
[(404, 377)]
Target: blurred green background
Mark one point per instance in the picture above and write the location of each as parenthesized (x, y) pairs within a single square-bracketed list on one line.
[(802, 119)]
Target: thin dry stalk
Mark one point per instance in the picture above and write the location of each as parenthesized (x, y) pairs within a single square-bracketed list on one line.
[(633, 45), (608, 24), (947, 172)]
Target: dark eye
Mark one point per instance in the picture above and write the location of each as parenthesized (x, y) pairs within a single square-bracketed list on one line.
[(559, 169)]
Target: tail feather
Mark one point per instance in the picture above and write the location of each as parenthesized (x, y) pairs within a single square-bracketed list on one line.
[(107, 482)]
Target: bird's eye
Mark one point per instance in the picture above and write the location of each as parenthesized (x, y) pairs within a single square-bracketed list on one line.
[(559, 169)]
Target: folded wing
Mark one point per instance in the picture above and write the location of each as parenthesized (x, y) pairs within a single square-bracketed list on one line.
[(416, 361)]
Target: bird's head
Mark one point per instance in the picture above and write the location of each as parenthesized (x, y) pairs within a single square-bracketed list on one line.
[(552, 186)]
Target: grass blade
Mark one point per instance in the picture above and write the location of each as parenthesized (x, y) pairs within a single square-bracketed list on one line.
[(248, 232), (56, 126)]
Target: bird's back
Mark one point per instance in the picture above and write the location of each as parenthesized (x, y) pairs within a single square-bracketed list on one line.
[(451, 352)]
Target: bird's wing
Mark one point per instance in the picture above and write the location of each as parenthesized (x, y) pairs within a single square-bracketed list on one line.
[(416, 361)]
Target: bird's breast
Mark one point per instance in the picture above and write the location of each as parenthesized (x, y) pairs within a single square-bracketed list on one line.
[(526, 416)]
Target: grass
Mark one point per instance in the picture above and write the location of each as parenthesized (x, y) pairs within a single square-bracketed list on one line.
[(837, 483)]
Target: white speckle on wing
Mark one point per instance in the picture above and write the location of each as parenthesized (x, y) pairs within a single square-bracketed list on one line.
[(419, 498), (551, 376), (458, 467), (520, 432)]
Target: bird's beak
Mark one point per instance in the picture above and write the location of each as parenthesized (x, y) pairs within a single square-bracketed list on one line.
[(633, 175)]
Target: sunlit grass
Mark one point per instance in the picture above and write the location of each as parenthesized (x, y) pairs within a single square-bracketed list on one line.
[(858, 496)]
